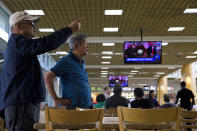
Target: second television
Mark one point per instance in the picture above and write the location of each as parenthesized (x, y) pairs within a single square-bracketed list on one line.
[(142, 52), (122, 80)]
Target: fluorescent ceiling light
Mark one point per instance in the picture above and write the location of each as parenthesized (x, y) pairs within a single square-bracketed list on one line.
[(3, 35), (118, 53), (108, 44), (190, 11), (104, 71), (108, 29), (164, 43), (107, 52), (191, 57), (106, 57), (113, 12), (103, 76), (195, 52), (160, 73), (61, 53), (46, 29), (35, 12), (134, 71), (105, 62), (130, 76), (176, 28), (104, 68), (60, 57)]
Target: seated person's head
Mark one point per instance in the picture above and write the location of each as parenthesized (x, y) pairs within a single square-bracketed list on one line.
[(100, 98), (183, 84), (151, 93), (138, 93), (166, 97), (117, 89)]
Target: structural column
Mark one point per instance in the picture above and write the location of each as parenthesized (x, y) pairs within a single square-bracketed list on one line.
[(162, 86), (187, 75)]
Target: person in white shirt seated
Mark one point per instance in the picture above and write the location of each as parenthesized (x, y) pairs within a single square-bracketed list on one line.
[(167, 104)]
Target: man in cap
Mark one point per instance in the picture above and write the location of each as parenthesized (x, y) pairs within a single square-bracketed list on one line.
[(22, 85)]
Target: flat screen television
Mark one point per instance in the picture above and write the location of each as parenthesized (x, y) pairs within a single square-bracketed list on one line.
[(142, 52), (146, 88), (122, 80)]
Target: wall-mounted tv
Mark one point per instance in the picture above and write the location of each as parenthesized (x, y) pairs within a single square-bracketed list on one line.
[(142, 52), (146, 88), (122, 80)]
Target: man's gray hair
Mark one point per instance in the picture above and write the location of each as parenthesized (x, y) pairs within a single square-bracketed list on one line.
[(76, 39)]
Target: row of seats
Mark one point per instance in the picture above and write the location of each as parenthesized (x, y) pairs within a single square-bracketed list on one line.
[(175, 119), (129, 119)]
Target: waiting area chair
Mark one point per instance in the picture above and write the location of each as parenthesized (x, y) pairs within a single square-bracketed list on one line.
[(188, 120), (111, 112), (148, 119), (59, 118)]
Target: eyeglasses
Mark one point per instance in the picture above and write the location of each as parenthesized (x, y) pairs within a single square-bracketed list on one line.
[(31, 22)]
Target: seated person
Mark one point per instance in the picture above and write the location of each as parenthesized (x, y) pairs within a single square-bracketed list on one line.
[(100, 99), (139, 101), (167, 104), (116, 100)]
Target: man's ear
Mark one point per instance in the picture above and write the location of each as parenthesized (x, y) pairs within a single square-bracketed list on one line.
[(77, 46)]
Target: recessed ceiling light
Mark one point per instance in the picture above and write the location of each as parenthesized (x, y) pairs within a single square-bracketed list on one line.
[(108, 44), (160, 73), (134, 71), (104, 68), (195, 52), (190, 11), (103, 76), (110, 29), (176, 28), (113, 12), (164, 43), (46, 29), (107, 52), (191, 57), (118, 53), (105, 62), (106, 57), (104, 71), (35, 12)]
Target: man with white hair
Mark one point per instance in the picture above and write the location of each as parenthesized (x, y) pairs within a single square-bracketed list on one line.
[(21, 83), (73, 76)]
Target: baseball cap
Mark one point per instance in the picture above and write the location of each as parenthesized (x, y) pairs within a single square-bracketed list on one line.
[(21, 15)]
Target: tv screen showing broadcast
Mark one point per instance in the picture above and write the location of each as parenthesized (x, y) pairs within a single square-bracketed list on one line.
[(122, 80), (142, 52)]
